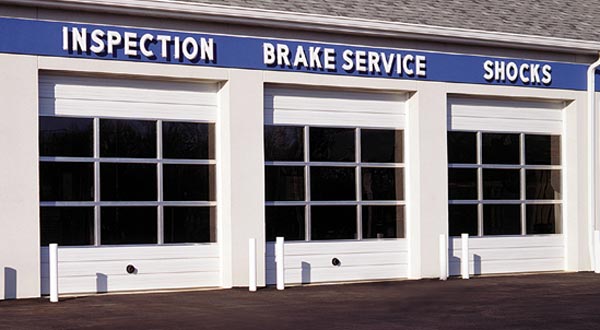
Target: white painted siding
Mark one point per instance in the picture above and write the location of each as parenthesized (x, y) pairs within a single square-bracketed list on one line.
[(102, 269), (310, 262), (127, 98), (302, 106), (505, 115), (491, 255)]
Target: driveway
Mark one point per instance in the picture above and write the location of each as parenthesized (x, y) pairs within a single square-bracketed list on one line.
[(542, 301)]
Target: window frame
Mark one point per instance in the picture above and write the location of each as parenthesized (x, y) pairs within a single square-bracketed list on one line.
[(96, 159), (523, 202), (357, 164)]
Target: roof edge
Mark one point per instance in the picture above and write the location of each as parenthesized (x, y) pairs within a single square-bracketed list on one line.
[(312, 22)]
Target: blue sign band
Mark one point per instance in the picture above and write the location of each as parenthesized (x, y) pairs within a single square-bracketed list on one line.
[(45, 38)]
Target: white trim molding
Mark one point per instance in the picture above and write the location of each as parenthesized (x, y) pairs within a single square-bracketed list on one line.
[(292, 20)]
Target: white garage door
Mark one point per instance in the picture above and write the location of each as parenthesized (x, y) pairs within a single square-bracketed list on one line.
[(505, 184), (335, 183), (127, 177)]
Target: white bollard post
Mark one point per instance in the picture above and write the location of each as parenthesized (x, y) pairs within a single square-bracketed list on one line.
[(279, 260), (597, 251), (53, 262), (252, 264), (443, 257), (464, 259)]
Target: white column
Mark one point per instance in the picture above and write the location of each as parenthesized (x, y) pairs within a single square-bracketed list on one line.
[(19, 178), (443, 257), (426, 177), (53, 262), (252, 264), (464, 258), (240, 168), (279, 260)]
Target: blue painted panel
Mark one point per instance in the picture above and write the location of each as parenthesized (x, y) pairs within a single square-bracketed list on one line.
[(20, 36)]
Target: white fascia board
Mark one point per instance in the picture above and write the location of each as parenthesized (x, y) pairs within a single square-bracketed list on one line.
[(312, 22)]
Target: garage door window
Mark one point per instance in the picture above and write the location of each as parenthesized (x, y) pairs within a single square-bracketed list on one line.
[(504, 183), (122, 181), (326, 183)]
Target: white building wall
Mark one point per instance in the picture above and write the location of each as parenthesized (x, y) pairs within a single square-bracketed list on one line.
[(241, 163), (19, 201), (427, 179)]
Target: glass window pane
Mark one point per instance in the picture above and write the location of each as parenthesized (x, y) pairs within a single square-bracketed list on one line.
[(128, 182), (501, 184), (284, 143), (462, 183), (462, 219), (382, 183), (502, 219), (285, 221), (66, 181), (189, 182), (383, 221), (462, 147), (542, 149), (128, 225), (188, 140), (189, 224), (332, 183), (332, 144), (500, 148), (381, 146), (71, 137), (543, 184), (127, 138), (544, 219), (333, 222), (67, 225), (284, 183)]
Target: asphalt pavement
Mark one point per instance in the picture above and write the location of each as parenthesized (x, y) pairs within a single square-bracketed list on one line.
[(542, 301)]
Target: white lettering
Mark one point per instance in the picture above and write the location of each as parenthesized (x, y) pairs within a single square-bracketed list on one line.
[(489, 72), (65, 34), (408, 58), (512, 72), (348, 62), (187, 43), (388, 62), (283, 53), (113, 40), (79, 39), (144, 40), (98, 45), (421, 66), (130, 44), (315, 60), (547, 72), (300, 57), (329, 58), (268, 53), (207, 49), (535, 74), (524, 78), (374, 62), (164, 40), (499, 71), (361, 61), (177, 50)]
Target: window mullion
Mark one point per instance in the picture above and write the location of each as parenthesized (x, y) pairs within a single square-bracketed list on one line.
[(307, 216), (96, 147), (159, 174), (522, 183), (479, 186), (358, 159)]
